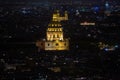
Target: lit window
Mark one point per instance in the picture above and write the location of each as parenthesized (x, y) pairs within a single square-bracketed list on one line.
[(60, 29), (52, 24)]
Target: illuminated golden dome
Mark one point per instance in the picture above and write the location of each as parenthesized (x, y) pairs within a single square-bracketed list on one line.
[(54, 35)]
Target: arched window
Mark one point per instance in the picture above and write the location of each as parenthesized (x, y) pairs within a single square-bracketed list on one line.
[(65, 44), (57, 44), (57, 35), (53, 36), (48, 44)]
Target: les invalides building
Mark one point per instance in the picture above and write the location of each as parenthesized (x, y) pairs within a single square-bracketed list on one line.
[(54, 35)]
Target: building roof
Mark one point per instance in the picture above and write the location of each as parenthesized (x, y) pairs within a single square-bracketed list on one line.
[(54, 24)]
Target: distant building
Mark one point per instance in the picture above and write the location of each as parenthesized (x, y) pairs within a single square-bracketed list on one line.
[(54, 35), (87, 23), (58, 17)]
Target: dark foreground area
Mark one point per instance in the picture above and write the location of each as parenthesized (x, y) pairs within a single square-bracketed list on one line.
[(22, 61)]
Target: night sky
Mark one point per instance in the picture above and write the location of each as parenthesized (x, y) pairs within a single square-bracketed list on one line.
[(53, 0), (59, 1)]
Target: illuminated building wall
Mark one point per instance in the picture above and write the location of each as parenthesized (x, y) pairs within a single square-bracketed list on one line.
[(57, 17), (54, 35)]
